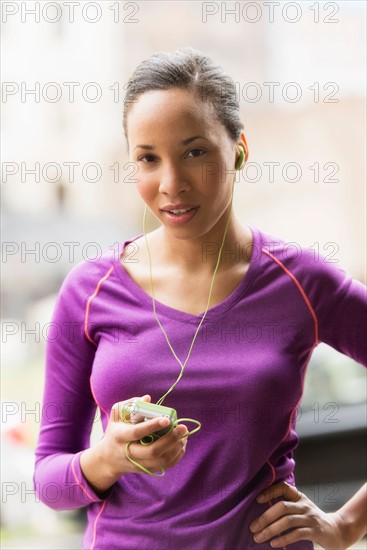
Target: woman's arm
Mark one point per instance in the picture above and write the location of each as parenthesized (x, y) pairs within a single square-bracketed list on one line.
[(353, 516), (68, 472), (297, 513), (340, 306), (68, 407)]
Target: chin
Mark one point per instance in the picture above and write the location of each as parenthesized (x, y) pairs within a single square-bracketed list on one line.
[(186, 233)]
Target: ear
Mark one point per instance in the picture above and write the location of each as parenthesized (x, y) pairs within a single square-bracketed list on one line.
[(241, 157), (243, 143)]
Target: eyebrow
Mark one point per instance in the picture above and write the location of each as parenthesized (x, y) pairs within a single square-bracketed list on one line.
[(183, 142)]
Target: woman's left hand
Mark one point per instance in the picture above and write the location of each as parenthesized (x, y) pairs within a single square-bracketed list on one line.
[(301, 516)]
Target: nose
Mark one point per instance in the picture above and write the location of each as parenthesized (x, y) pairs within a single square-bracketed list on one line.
[(172, 180)]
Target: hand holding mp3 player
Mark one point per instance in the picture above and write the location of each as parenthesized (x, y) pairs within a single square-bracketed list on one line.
[(107, 460), (141, 411)]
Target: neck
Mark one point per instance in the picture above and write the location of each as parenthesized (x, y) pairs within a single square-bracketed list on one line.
[(200, 255)]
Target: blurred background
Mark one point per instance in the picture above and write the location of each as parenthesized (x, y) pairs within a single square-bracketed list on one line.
[(300, 72)]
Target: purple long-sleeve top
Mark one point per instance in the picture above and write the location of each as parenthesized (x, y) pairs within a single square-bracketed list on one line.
[(243, 382)]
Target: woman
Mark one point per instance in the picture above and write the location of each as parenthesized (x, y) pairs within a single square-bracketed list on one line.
[(229, 313)]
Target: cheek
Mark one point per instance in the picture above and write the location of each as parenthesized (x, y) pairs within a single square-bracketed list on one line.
[(145, 186), (217, 188), (219, 174)]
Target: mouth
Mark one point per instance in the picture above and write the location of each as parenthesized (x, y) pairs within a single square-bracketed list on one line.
[(179, 211), (180, 215)]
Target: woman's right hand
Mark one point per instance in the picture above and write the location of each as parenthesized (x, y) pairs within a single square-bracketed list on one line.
[(107, 461)]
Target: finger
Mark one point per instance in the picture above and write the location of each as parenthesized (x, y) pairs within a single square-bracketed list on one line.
[(278, 510), (283, 524), (170, 443), (178, 432), (148, 457), (163, 451), (178, 457), (135, 432), (169, 457), (129, 405), (183, 431), (302, 533), (282, 489)]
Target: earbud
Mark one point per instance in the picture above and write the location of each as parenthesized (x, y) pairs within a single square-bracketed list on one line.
[(241, 158)]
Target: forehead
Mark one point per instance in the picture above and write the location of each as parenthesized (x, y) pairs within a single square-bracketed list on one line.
[(166, 113)]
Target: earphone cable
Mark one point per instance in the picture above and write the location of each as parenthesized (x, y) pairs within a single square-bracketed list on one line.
[(183, 365)]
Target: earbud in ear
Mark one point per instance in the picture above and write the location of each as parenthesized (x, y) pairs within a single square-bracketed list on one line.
[(240, 159)]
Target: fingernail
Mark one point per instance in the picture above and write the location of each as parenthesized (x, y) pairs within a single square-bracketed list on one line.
[(164, 421)]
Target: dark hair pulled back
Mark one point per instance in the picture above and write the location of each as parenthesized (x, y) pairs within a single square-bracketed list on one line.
[(192, 70)]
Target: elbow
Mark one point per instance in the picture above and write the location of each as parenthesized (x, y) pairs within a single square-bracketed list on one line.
[(55, 495), (48, 493), (56, 487)]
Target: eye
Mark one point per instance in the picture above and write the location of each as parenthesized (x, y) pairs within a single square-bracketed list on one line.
[(147, 158), (197, 152)]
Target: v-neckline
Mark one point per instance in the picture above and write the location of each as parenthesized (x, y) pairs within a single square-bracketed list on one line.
[(214, 311)]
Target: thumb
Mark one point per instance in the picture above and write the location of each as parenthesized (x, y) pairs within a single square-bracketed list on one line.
[(124, 406)]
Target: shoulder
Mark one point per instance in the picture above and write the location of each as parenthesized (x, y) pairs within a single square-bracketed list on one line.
[(308, 266), (87, 276), (278, 252), (322, 278)]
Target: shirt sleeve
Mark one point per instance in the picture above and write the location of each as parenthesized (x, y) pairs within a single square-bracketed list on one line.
[(340, 303), (68, 408)]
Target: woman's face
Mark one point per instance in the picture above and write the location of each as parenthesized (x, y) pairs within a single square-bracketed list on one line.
[(185, 160)]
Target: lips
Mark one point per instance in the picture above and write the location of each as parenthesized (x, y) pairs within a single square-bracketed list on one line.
[(178, 207), (179, 216)]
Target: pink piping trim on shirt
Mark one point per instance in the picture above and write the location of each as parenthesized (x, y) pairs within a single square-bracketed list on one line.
[(272, 472), (86, 331), (316, 324), (78, 482), (95, 524), (91, 498), (289, 425), (95, 398), (295, 408), (308, 303)]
